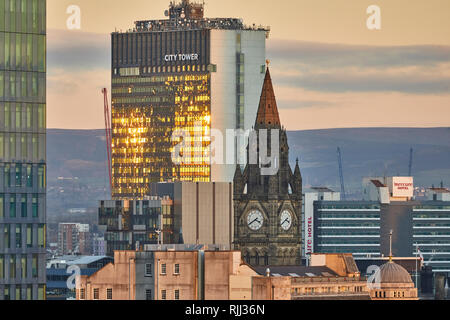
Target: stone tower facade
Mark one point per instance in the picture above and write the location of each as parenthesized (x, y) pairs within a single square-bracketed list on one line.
[(267, 207)]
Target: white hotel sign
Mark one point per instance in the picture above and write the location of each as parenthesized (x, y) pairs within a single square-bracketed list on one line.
[(402, 187)]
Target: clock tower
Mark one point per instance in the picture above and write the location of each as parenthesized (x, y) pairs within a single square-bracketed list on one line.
[(267, 203)]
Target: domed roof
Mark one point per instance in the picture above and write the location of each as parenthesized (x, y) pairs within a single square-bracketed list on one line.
[(393, 273)]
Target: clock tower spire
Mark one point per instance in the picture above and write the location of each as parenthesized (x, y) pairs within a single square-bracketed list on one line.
[(267, 207)]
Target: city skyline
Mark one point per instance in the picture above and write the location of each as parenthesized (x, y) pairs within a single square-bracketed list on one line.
[(329, 69)]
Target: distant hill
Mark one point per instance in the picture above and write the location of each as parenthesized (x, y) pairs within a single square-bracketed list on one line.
[(365, 151), (374, 152)]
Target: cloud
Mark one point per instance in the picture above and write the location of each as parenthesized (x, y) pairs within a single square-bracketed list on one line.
[(343, 55), (296, 104), (350, 68), (342, 81), (77, 50)]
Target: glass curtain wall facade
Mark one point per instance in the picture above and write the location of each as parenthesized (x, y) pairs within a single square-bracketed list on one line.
[(129, 223), (347, 227), (22, 149), (354, 227), (151, 102), (431, 234)]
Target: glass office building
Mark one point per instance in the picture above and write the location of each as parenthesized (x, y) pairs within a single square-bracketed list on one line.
[(355, 227), (189, 73), (22, 149), (129, 225)]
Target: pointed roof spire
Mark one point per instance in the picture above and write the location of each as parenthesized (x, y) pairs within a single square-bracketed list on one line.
[(268, 110), (297, 168), (390, 246)]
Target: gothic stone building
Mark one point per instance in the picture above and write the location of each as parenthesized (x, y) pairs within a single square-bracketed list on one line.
[(267, 208)]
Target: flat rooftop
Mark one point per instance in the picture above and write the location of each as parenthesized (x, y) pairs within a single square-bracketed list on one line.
[(188, 15)]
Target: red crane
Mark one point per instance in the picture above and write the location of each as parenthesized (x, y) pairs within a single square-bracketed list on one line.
[(108, 134)]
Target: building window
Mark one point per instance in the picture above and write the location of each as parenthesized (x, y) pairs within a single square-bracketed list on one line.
[(41, 292), (148, 294), (177, 294), (96, 294), (6, 294), (82, 294), (29, 292), (2, 266), (12, 267), (24, 267), (41, 236), (18, 175), (23, 208), (7, 238), (109, 293), (163, 268), (148, 269), (34, 206), (163, 295), (12, 206), (34, 266), (7, 175), (18, 236), (29, 235), (2, 203), (177, 269)]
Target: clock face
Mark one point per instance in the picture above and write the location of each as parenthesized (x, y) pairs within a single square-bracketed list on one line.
[(255, 220), (286, 220)]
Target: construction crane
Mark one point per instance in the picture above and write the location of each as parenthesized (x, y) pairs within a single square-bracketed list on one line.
[(410, 162), (108, 134), (341, 174)]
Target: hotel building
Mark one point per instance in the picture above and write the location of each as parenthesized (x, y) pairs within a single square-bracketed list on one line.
[(186, 72), (22, 149), (362, 227)]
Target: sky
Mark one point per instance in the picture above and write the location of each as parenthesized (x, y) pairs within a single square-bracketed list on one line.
[(328, 69)]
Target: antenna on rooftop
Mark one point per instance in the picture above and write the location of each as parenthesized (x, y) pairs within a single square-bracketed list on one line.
[(390, 246)]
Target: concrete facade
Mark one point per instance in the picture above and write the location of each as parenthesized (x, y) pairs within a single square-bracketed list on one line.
[(329, 277), (240, 57), (170, 275), (202, 211)]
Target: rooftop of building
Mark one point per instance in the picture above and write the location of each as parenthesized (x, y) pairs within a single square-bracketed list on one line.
[(73, 260), (187, 15), (322, 189), (392, 272), (440, 190), (87, 260), (186, 247), (378, 184), (296, 271)]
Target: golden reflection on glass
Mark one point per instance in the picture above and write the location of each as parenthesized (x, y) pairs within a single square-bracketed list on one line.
[(145, 113)]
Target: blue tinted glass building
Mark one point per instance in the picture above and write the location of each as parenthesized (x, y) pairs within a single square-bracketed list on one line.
[(22, 149)]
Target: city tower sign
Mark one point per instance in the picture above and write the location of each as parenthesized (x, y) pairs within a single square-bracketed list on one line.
[(181, 57)]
